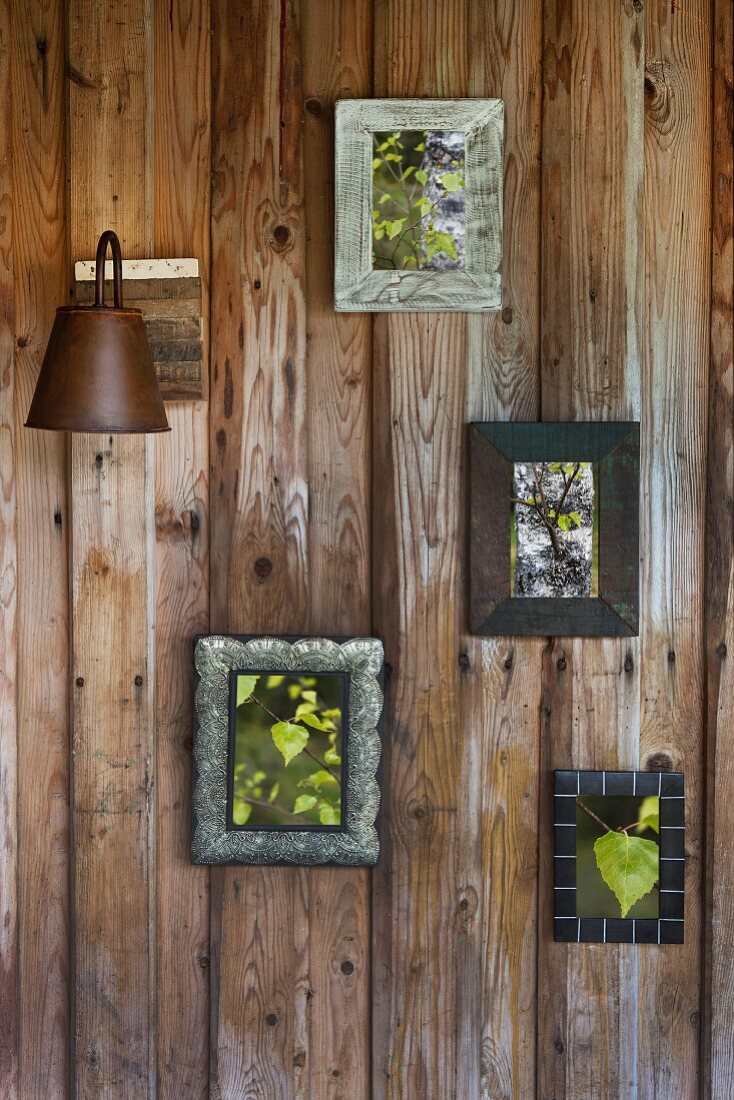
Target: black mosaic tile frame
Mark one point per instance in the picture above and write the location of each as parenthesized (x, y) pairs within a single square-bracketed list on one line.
[(669, 927)]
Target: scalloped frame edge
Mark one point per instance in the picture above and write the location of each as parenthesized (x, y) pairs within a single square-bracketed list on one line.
[(215, 657)]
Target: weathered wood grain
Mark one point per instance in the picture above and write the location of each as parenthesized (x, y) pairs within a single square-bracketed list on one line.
[(591, 342), (9, 987), (111, 513), (675, 378), (426, 940), (261, 986), (181, 227), (337, 62), (718, 1054), (41, 284), (171, 308), (454, 902), (500, 683), (113, 581)]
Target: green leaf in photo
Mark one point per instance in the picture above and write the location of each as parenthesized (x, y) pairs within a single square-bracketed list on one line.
[(317, 779), (440, 242), (332, 758), (274, 681), (649, 816), (274, 792), (241, 811), (629, 865), (245, 688), (314, 722), (451, 182), (422, 177), (304, 803), (328, 814), (289, 739)]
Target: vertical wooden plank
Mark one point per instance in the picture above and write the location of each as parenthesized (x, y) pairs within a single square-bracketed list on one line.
[(112, 570), (9, 987), (501, 678), (41, 284), (678, 261), (337, 63), (426, 943), (592, 316), (181, 228), (718, 1054), (259, 504)]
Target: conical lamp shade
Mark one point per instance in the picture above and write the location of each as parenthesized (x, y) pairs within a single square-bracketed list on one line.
[(97, 374)]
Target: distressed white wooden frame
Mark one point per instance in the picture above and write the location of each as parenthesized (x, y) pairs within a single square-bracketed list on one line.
[(478, 285)]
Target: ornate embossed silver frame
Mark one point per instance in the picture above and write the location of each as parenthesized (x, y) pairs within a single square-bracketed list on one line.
[(357, 843)]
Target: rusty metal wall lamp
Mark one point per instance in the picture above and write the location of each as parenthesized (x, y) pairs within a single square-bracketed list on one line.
[(97, 374)]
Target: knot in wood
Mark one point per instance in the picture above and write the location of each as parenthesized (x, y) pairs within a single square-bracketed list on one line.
[(347, 967), (314, 106), (659, 762), (561, 664), (263, 568), (281, 236), (507, 315), (721, 650), (271, 1019)]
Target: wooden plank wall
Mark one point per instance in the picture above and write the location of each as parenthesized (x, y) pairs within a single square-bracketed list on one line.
[(321, 488)]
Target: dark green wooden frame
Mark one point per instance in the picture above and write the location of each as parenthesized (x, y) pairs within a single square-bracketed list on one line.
[(493, 450)]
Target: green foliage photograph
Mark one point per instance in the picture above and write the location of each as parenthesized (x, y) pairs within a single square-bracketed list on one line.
[(617, 856), (288, 750), (418, 200)]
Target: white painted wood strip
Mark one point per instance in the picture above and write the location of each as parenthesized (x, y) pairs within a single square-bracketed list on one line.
[(84, 270)]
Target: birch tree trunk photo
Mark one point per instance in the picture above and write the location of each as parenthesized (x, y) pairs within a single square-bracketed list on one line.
[(444, 152)]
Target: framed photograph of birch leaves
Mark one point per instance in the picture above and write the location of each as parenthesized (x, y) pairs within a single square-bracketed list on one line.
[(619, 857), (554, 529), (286, 750), (418, 204)]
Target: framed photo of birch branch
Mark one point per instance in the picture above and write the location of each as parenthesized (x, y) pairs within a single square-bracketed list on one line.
[(554, 529), (619, 857), (287, 750), (418, 204)]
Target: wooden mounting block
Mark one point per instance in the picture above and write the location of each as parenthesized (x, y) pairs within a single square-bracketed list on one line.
[(168, 292)]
